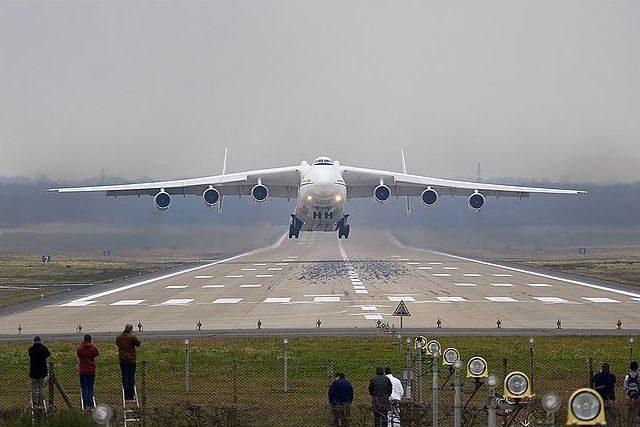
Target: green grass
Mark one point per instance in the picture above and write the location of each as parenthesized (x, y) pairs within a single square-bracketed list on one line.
[(246, 373)]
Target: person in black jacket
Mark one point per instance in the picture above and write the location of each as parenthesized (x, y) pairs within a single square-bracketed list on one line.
[(38, 354), (380, 389), (340, 399)]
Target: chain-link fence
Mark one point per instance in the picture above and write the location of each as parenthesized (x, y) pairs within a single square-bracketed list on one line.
[(209, 388)]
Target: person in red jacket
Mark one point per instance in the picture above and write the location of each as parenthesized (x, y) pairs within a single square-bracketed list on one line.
[(87, 353)]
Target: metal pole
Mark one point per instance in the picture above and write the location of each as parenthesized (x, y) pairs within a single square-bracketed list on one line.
[(531, 343), (420, 394), (286, 365), (186, 364), (457, 399), (408, 370), (434, 392), (491, 408)]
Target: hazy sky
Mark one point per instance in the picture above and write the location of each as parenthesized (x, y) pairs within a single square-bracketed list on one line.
[(543, 89)]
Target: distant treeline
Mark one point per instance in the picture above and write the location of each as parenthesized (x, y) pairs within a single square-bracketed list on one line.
[(25, 201)]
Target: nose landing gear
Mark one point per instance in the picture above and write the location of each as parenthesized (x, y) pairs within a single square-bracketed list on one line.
[(294, 227), (343, 228)]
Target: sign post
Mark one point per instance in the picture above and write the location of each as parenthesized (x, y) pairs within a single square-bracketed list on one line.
[(401, 310)]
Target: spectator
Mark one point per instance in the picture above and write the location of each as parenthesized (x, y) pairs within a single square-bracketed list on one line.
[(397, 391), (38, 354), (380, 389), (87, 353), (604, 383), (631, 382), (127, 343), (340, 399)]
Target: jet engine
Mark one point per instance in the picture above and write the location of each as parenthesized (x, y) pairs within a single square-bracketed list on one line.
[(381, 193), (260, 193), (211, 196), (476, 202), (429, 197), (162, 200)]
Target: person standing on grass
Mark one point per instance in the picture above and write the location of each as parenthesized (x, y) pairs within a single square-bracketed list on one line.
[(604, 383), (397, 391), (380, 389), (632, 382), (127, 343), (340, 399), (87, 353), (38, 354)]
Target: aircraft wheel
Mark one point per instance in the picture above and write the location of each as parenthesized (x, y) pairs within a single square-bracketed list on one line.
[(347, 228)]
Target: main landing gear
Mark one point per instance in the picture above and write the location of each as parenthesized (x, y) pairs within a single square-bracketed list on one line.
[(294, 227), (343, 228)]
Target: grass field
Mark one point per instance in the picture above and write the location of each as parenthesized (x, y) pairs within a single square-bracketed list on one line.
[(26, 277), (247, 373)]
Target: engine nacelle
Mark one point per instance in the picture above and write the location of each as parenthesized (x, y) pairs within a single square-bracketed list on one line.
[(381, 193), (429, 197), (211, 196), (476, 202), (260, 193), (162, 200)]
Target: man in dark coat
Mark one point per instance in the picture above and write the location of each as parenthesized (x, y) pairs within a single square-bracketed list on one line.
[(38, 354), (380, 389), (87, 353), (127, 343), (604, 383), (340, 399)]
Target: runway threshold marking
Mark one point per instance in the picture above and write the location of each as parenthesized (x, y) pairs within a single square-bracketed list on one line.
[(546, 276), (174, 274), (128, 302)]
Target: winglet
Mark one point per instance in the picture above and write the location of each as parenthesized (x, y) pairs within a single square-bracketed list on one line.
[(404, 170)]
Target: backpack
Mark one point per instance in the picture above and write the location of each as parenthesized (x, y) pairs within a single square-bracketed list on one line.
[(633, 388)]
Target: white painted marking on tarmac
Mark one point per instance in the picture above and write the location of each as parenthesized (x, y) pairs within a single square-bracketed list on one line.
[(234, 276), (553, 300), (282, 263), (78, 303), (264, 275), (404, 259), (600, 299), (213, 286), (277, 299), (472, 275), (449, 268), (250, 286), (359, 287), (178, 301), (368, 308), (249, 269), (425, 268), (465, 284), (539, 285), (203, 277), (326, 299), (227, 301), (361, 291), (502, 275), (373, 316), (451, 299), (291, 256), (323, 295), (396, 256), (128, 302), (501, 285), (441, 274), (274, 269), (435, 263), (401, 298), (259, 263), (636, 299), (176, 287), (413, 263), (546, 276), (501, 299)]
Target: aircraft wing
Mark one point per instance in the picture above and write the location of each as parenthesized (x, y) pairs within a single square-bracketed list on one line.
[(282, 182), (361, 183)]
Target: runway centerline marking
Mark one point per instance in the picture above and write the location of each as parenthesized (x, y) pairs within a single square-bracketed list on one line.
[(250, 286), (264, 275), (546, 276), (501, 285), (539, 285), (465, 284), (213, 286), (234, 276), (203, 277), (176, 287)]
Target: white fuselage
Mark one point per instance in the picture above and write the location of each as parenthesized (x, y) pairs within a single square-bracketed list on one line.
[(321, 197)]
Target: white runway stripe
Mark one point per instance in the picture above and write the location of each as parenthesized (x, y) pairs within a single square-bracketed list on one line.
[(425, 268), (501, 285), (264, 275), (213, 286), (361, 291), (539, 285), (326, 299), (274, 269), (401, 298), (449, 268), (368, 308), (128, 302), (259, 263), (600, 300), (282, 263), (203, 277), (227, 301), (78, 303), (502, 275), (465, 284), (178, 301), (554, 300), (472, 275), (250, 286), (501, 299), (176, 287), (277, 299), (413, 263), (234, 276), (435, 263), (441, 274), (249, 269), (373, 316), (451, 299)]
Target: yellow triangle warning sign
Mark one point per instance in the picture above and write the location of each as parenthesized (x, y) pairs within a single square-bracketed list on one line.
[(401, 310)]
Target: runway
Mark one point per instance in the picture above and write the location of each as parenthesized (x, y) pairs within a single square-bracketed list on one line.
[(345, 284)]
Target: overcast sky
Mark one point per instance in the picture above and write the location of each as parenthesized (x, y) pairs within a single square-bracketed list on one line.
[(545, 89)]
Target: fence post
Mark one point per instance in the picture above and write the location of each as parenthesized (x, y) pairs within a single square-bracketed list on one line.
[(491, 407), (52, 378), (420, 393), (531, 344), (286, 365), (435, 387), (408, 370), (457, 396), (186, 364)]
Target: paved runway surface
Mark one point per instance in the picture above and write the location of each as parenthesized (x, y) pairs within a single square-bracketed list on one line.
[(346, 284)]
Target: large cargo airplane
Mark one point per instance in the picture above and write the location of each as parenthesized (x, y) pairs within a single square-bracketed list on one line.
[(321, 190)]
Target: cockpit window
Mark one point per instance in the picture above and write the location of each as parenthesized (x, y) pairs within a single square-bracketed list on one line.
[(323, 161)]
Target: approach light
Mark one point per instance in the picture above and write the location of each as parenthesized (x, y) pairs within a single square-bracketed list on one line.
[(450, 355), (517, 385), (551, 403), (433, 346), (585, 408), (477, 368), (492, 380)]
